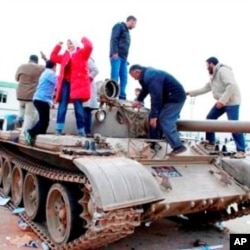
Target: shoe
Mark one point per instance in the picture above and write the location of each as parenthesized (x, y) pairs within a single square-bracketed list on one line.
[(30, 141), (178, 151), (58, 132), (239, 155), (204, 142), (210, 146)]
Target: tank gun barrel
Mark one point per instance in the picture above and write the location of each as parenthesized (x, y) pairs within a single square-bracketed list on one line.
[(214, 126)]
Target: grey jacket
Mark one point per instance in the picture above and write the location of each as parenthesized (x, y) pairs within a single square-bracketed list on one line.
[(93, 72), (223, 86)]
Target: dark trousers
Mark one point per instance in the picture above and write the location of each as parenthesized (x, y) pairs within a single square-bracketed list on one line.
[(87, 119), (41, 126)]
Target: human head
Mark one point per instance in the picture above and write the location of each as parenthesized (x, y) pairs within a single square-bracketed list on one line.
[(50, 65), (211, 63), (137, 91), (72, 45), (131, 22), (135, 71), (33, 58)]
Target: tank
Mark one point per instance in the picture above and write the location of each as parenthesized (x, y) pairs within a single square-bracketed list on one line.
[(84, 193)]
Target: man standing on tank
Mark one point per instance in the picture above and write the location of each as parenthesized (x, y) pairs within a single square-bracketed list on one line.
[(119, 50), (27, 76), (226, 92)]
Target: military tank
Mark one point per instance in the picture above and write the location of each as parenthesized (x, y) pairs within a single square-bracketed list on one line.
[(84, 193)]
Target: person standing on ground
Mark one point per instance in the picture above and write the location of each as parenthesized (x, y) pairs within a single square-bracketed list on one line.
[(119, 50), (27, 76), (167, 99), (226, 92)]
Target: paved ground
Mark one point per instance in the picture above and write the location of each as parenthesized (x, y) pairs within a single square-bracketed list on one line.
[(164, 234), (11, 235)]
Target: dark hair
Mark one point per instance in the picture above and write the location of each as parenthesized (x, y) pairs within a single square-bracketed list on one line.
[(50, 64), (131, 18), (212, 60), (33, 58), (135, 67)]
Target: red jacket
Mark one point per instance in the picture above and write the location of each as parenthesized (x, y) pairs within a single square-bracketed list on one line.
[(80, 85)]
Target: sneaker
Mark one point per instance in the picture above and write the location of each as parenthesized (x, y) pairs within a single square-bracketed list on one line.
[(58, 132), (239, 155), (178, 151), (30, 141)]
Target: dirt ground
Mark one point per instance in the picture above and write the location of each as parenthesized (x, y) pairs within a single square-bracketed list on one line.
[(164, 234)]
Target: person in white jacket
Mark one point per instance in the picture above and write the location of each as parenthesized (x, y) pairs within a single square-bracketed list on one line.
[(226, 92), (92, 103)]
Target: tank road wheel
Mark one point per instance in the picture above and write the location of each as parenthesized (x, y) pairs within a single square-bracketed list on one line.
[(6, 175), (62, 213), (34, 195), (17, 185)]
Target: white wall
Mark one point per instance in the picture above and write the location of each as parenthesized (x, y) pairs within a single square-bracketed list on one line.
[(11, 106)]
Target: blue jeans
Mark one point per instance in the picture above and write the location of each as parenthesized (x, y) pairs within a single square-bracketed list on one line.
[(62, 110), (168, 117), (119, 69), (232, 114)]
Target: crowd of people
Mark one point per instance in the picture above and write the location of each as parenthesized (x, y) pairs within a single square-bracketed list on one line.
[(39, 88)]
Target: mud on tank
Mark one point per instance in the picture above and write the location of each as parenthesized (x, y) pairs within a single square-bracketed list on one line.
[(84, 193)]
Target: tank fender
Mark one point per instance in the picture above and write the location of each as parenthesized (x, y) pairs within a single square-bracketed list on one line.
[(238, 169), (119, 182)]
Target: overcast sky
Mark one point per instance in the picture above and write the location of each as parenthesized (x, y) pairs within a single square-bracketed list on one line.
[(173, 35)]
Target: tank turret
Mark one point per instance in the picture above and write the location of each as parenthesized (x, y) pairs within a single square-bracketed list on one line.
[(117, 118)]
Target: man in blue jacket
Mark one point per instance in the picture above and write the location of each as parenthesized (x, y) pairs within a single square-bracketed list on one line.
[(167, 99), (119, 49)]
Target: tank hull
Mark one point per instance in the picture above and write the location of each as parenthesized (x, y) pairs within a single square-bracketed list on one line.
[(84, 193), (122, 183)]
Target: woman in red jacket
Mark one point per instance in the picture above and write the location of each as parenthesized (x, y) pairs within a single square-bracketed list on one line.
[(73, 82)]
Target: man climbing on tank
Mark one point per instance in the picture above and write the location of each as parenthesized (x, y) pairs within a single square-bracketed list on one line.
[(167, 99)]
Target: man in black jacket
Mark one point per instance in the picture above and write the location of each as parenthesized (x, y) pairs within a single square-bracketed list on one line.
[(167, 99), (119, 49)]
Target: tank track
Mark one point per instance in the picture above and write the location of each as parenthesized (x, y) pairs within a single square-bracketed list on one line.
[(211, 217), (103, 229)]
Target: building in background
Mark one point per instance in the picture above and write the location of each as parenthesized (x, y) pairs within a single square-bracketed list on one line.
[(8, 101)]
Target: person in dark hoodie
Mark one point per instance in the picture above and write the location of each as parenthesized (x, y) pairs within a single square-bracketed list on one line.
[(119, 49), (167, 99)]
